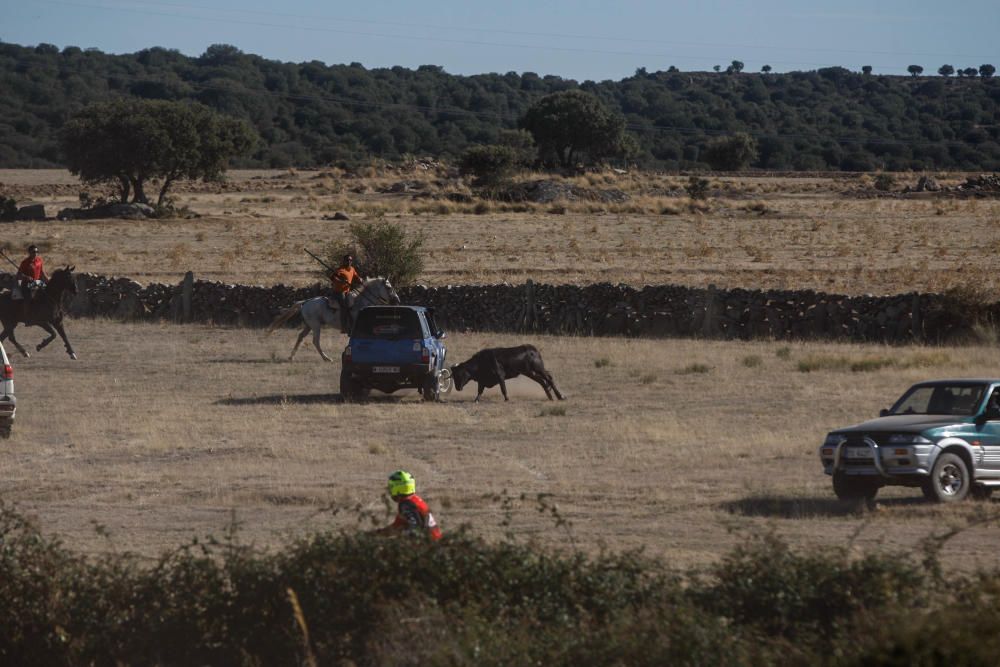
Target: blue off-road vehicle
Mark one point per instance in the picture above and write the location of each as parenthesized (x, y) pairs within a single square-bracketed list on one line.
[(395, 347)]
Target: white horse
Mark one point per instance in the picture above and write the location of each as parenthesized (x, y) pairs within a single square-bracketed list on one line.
[(318, 310)]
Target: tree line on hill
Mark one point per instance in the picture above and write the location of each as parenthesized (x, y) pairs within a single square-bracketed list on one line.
[(313, 114)]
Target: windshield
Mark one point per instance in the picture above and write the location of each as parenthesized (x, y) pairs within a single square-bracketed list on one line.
[(949, 399), (388, 324)]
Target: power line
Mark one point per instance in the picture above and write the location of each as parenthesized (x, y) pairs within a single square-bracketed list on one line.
[(467, 42)]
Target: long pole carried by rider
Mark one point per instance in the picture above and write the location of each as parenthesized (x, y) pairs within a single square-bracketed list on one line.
[(14, 264), (333, 272), (321, 262)]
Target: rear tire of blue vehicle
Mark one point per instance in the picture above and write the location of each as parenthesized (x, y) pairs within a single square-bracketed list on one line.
[(351, 389), (5, 428), (850, 488), (430, 389), (949, 481)]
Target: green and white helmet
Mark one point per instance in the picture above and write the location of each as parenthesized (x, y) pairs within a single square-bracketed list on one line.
[(401, 483)]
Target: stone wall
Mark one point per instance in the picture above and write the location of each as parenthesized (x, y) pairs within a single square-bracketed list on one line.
[(599, 309)]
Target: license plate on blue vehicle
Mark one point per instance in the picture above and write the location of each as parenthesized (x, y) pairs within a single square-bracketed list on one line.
[(858, 453), (385, 369)]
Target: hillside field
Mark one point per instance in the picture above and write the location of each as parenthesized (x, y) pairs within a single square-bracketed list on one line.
[(830, 233)]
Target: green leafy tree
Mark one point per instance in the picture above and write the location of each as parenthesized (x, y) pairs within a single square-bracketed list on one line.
[(130, 141), (572, 125), (987, 70), (915, 70), (946, 70), (735, 67), (731, 153), (766, 69), (970, 72), (717, 68), (489, 164), (381, 248), (866, 70)]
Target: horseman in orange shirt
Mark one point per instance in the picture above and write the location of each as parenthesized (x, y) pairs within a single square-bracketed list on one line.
[(342, 278)]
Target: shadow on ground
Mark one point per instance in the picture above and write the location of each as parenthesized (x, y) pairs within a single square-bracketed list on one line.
[(809, 508), (300, 399), (283, 360)]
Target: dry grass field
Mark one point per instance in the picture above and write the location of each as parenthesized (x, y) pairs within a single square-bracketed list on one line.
[(752, 232), (162, 432)]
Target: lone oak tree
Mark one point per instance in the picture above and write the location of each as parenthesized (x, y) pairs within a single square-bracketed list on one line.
[(571, 124), (128, 142)]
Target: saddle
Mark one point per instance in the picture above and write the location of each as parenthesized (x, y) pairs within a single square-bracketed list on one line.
[(29, 292)]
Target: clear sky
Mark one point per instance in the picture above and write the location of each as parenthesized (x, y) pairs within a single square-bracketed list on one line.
[(582, 39)]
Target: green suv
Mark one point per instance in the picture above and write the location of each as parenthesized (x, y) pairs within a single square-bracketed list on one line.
[(942, 436)]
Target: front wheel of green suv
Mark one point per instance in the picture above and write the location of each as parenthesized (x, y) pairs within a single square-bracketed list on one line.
[(949, 481)]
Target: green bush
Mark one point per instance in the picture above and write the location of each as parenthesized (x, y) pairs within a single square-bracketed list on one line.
[(366, 600), (8, 208), (489, 165), (697, 187), (731, 153), (381, 248)]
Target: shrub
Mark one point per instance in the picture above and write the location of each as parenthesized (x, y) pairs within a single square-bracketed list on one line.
[(602, 362), (361, 599), (694, 368), (489, 165), (381, 248), (697, 187), (8, 208), (884, 182), (752, 361), (731, 153), (765, 584)]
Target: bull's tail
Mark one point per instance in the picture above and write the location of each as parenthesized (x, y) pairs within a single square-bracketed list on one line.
[(286, 314)]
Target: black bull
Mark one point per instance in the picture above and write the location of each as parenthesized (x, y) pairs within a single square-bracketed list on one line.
[(492, 366)]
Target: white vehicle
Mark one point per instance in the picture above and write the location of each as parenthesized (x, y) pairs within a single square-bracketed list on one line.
[(8, 404)]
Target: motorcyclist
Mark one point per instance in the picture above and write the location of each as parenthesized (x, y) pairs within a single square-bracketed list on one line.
[(413, 515)]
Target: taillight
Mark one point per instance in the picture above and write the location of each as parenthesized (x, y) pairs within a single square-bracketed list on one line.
[(347, 352), (8, 372), (425, 355)]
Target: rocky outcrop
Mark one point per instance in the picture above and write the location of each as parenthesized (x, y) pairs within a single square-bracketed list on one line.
[(133, 211)]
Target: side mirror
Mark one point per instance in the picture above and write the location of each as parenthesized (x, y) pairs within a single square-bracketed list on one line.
[(442, 334), (883, 412)]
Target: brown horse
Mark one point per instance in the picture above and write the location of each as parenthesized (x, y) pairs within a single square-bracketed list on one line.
[(45, 311)]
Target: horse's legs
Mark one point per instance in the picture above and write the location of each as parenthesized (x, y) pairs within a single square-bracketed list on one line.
[(52, 336), (316, 343), (298, 341), (62, 334), (8, 332)]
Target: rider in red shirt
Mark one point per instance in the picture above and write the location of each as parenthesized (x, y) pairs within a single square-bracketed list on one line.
[(413, 517), (30, 272)]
